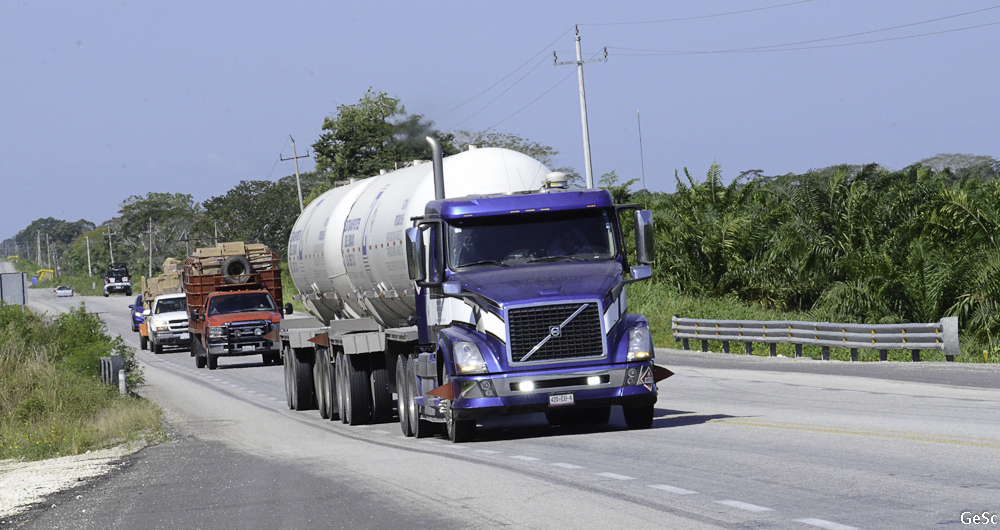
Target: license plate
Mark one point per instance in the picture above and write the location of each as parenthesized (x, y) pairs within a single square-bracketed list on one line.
[(560, 400), (249, 347), (185, 336)]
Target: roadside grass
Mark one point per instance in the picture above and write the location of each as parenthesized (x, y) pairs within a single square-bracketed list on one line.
[(51, 401), (659, 302)]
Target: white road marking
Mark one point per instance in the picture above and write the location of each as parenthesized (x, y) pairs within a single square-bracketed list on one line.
[(380, 431), (745, 506), (829, 525), (672, 489), (525, 458), (615, 476), (567, 466), (487, 451)]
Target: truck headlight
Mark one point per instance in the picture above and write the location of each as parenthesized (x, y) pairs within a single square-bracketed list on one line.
[(640, 344), (160, 325), (468, 359), (216, 332)]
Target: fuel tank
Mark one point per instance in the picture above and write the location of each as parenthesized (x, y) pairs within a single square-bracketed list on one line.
[(346, 253)]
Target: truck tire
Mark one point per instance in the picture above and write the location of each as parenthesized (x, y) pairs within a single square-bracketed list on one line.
[(420, 428), (598, 416), (330, 387), (198, 351), (157, 348), (320, 384), (458, 431), (302, 379), (340, 383), (213, 360), (357, 393), (401, 392), (289, 385), (236, 270), (143, 342), (381, 397), (638, 417)]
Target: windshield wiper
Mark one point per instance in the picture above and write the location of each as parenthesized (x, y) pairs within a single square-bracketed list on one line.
[(556, 258), (485, 262)]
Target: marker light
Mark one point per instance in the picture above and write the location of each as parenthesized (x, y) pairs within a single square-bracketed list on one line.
[(526, 386), (640, 344)]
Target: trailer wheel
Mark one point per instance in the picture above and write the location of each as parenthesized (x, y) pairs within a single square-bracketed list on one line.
[(336, 412), (381, 397), (319, 383), (357, 394), (143, 342), (638, 417), (304, 393), (420, 428), (402, 391), (340, 384)]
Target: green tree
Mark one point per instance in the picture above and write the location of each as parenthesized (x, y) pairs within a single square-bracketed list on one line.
[(374, 134), (173, 217), (256, 211)]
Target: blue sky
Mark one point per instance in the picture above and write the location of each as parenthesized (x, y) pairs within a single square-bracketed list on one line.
[(103, 100)]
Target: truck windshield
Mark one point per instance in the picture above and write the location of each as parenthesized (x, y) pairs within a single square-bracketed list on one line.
[(170, 304), (580, 235), (239, 303)]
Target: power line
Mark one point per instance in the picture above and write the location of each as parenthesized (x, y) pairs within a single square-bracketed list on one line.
[(543, 94), (850, 35), (487, 89), (782, 48), (695, 17), (543, 61)]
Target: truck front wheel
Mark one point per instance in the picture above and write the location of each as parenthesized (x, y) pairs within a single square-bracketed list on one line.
[(638, 417), (213, 361), (402, 390)]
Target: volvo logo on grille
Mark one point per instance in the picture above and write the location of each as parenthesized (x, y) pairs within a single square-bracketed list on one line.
[(555, 331)]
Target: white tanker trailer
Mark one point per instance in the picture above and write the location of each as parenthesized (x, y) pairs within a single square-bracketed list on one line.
[(503, 295)]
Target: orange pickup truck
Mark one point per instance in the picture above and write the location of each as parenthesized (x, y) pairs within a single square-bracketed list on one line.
[(234, 300)]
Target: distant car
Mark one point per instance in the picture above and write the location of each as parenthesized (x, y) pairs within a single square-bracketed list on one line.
[(117, 280), (137, 316), (64, 290)]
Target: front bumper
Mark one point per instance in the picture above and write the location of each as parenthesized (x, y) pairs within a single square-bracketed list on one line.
[(243, 348), (118, 287), (173, 338), (498, 394)]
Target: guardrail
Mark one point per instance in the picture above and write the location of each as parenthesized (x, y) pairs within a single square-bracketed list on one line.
[(112, 372), (941, 336)]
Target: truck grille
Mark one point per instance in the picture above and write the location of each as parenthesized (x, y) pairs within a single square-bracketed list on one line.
[(581, 337), (248, 331), (178, 325)]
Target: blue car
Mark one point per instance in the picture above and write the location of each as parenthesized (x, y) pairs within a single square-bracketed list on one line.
[(137, 316)]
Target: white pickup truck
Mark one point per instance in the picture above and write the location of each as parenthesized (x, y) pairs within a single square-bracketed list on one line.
[(167, 322)]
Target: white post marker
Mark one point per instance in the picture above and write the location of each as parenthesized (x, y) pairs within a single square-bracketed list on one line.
[(121, 382)]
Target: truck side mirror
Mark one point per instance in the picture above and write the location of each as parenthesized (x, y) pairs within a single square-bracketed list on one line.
[(416, 254), (289, 309), (195, 315), (644, 237)]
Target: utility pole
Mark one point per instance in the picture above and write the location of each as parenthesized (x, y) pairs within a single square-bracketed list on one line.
[(642, 162), (89, 272), (111, 248), (150, 232), (38, 246), (48, 253), (216, 233), (296, 158), (583, 102)]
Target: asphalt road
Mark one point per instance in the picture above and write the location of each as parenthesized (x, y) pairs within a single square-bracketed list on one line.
[(736, 443)]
